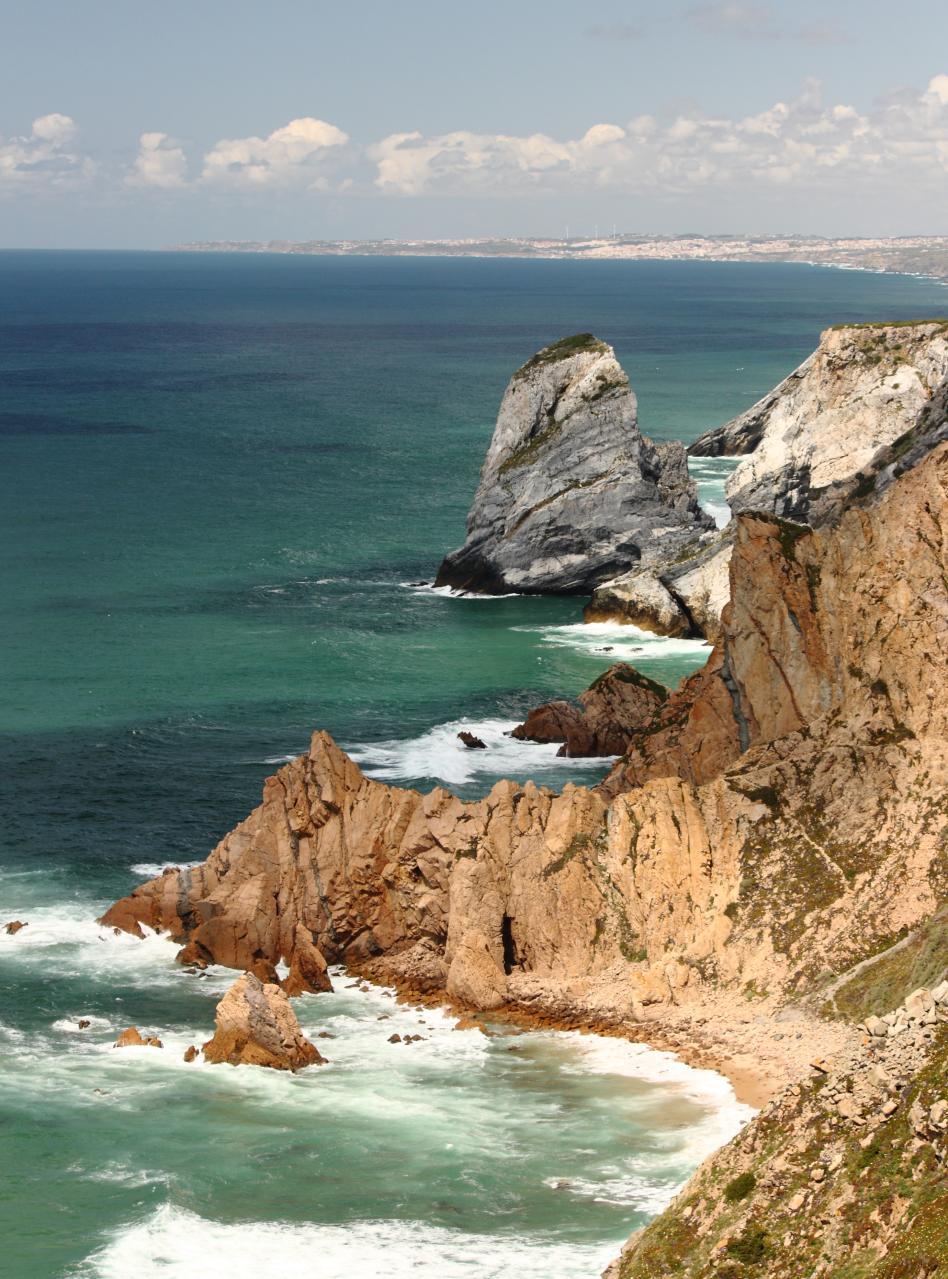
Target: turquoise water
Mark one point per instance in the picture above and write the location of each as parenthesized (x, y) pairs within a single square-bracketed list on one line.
[(218, 475)]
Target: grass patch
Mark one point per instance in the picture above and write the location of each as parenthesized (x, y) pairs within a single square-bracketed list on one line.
[(740, 1187), (886, 982), (563, 350)]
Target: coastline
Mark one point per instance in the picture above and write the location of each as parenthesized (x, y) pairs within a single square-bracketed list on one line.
[(759, 1047)]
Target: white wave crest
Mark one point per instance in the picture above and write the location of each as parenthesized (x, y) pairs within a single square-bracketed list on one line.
[(439, 753), (167, 1243), (619, 642)]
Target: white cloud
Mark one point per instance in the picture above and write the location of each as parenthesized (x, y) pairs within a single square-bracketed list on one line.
[(42, 160), (303, 153), (160, 162), (802, 142)]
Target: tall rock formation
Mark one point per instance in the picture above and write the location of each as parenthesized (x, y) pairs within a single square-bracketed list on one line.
[(865, 387), (570, 492), (256, 1026)]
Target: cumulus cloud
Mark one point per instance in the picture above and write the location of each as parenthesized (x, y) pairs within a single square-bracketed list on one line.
[(43, 159), (803, 142), (160, 162), (302, 153)]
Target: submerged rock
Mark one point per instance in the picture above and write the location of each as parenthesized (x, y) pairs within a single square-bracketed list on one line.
[(602, 720), (570, 492), (133, 1038), (256, 1026)]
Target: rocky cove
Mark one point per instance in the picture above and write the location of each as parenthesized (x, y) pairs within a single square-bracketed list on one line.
[(762, 870)]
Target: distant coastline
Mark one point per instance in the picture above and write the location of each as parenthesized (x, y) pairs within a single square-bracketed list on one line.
[(925, 256)]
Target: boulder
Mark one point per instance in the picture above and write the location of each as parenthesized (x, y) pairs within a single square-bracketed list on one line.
[(256, 1026), (133, 1038), (309, 971), (191, 1053), (14, 926), (472, 742), (614, 707), (571, 493)]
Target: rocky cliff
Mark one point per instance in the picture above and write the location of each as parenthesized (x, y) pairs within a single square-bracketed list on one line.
[(863, 389), (779, 819), (571, 493), (844, 1175)]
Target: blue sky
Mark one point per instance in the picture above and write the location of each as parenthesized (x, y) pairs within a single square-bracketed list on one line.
[(125, 124)]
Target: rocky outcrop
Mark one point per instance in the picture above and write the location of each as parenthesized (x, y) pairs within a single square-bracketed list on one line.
[(602, 720), (809, 443), (862, 389), (844, 1173), (778, 819), (570, 492), (256, 1026), (133, 1038), (14, 926), (309, 971)]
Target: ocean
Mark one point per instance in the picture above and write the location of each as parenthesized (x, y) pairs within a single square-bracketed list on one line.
[(223, 479)]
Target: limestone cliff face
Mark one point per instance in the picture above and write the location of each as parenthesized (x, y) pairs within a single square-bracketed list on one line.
[(781, 816), (863, 389), (570, 492)]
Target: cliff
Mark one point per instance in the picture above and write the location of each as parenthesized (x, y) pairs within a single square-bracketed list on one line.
[(778, 820), (571, 493), (842, 1176), (863, 389)]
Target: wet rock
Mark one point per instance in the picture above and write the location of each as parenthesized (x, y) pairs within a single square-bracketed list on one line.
[(14, 926), (395, 1039), (256, 1026), (472, 742), (309, 972), (83, 1023), (603, 719), (191, 1053)]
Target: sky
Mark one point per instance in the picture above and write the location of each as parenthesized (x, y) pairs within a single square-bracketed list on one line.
[(133, 125)]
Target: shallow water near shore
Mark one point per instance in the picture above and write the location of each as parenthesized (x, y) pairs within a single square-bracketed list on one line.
[(223, 480)]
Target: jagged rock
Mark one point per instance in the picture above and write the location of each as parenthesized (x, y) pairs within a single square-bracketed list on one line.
[(83, 1023), (641, 599), (309, 971), (779, 816), (472, 742), (133, 1038), (191, 1053), (571, 493), (862, 389), (603, 719), (14, 926), (256, 1026)]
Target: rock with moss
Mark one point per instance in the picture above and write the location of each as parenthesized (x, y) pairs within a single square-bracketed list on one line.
[(571, 493)]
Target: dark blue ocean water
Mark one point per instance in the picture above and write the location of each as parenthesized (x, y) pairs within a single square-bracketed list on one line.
[(216, 475)]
